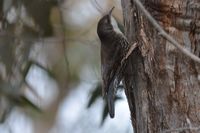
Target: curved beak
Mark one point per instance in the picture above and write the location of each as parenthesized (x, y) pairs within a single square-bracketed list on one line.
[(110, 12)]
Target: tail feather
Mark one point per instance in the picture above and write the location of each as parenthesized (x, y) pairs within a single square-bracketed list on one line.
[(111, 95), (110, 100), (111, 90)]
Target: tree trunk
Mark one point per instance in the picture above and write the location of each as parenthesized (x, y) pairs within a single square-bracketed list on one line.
[(162, 84)]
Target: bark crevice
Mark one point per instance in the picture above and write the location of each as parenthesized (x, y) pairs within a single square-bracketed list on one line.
[(162, 84)]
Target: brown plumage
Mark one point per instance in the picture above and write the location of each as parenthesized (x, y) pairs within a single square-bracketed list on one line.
[(114, 47)]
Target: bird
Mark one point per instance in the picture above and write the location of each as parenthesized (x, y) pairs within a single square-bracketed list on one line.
[(114, 47)]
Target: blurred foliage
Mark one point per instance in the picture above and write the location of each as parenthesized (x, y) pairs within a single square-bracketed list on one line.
[(34, 15), (95, 95), (40, 10), (22, 22), (14, 94)]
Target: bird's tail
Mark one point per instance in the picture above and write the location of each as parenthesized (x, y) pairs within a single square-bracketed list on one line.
[(110, 100), (111, 95)]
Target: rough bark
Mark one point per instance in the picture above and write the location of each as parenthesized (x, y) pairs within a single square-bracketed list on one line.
[(162, 84)]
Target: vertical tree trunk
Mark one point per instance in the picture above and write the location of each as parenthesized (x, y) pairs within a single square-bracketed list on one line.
[(162, 84)]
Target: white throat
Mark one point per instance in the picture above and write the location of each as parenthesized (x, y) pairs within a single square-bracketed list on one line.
[(115, 26)]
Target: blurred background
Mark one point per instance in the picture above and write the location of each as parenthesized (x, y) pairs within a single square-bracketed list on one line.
[(50, 80)]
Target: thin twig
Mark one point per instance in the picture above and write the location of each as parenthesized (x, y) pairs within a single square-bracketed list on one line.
[(64, 41), (97, 6), (164, 33), (129, 52)]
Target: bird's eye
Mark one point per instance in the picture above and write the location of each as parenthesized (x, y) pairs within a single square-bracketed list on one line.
[(106, 21)]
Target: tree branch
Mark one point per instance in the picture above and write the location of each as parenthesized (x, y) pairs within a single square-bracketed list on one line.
[(164, 33)]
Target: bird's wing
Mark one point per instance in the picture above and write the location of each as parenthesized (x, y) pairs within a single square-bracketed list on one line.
[(112, 71), (112, 68), (109, 68), (119, 66)]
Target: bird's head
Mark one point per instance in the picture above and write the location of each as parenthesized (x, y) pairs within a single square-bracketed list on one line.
[(105, 25)]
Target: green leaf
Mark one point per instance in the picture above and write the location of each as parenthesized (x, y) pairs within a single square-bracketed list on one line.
[(105, 113), (95, 94), (5, 114), (22, 101)]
